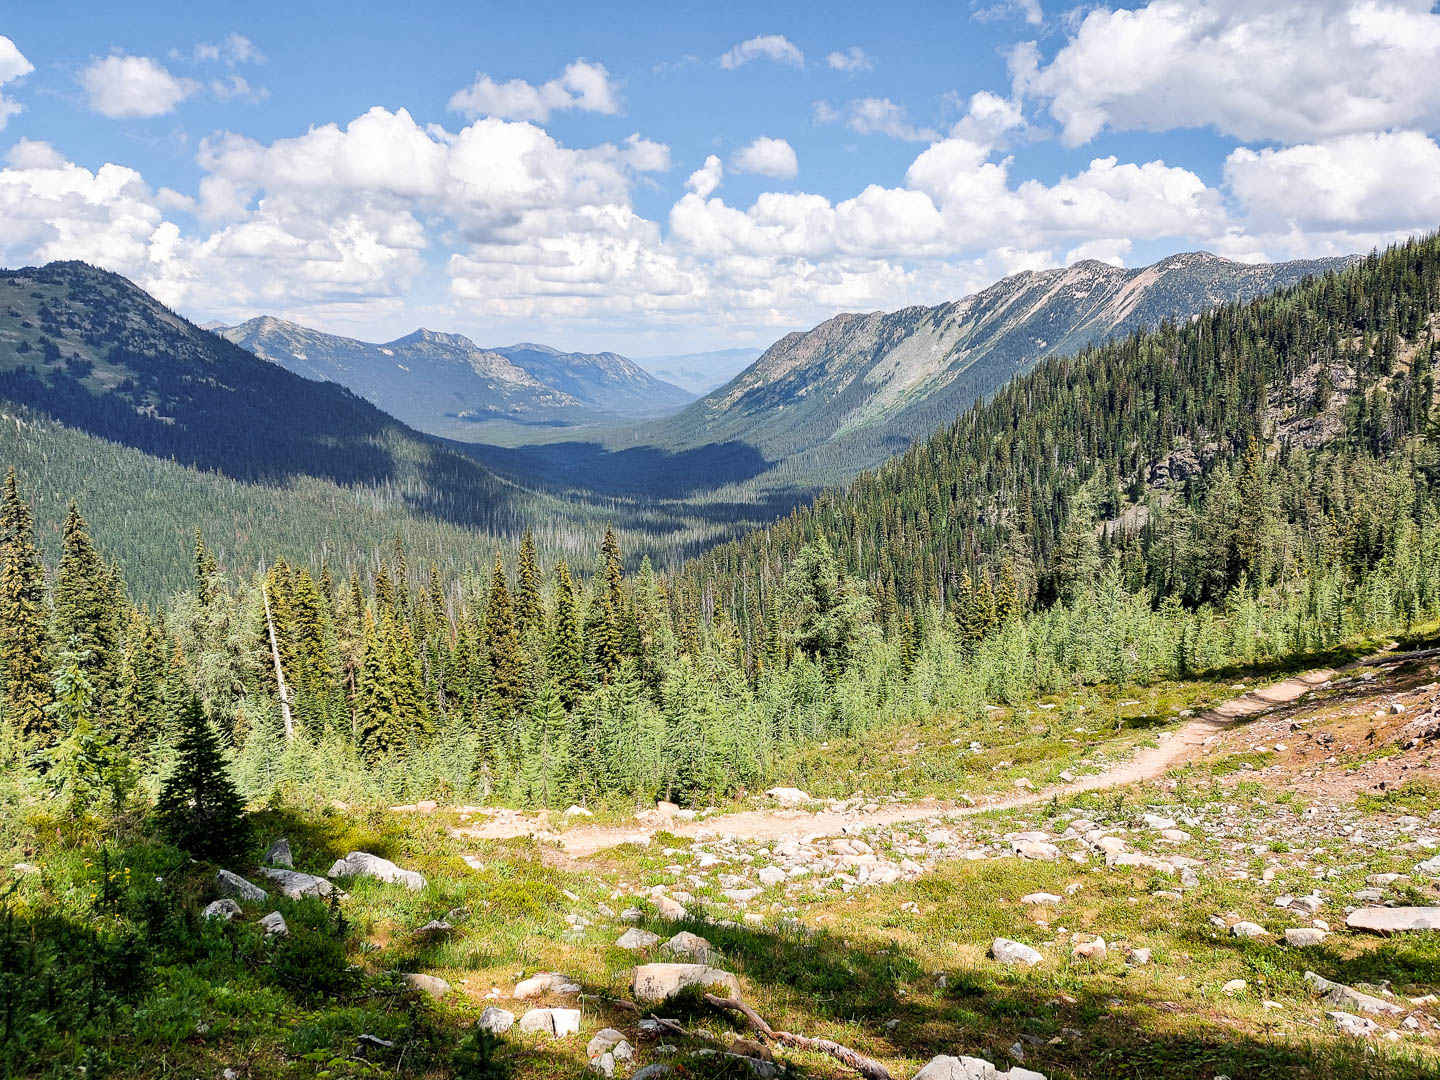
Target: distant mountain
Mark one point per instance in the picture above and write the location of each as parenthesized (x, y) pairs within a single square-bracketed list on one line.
[(700, 372), (605, 381), (434, 382), (95, 352), (857, 388)]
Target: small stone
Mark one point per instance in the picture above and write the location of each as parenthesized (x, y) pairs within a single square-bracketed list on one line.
[(1044, 898), (1247, 930), (1138, 957), (1091, 950), (225, 909), (1304, 936), (274, 925), (496, 1021), (1234, 986), (1035, 849), (670, 908), (374, 1041), (1359, 1027), (545, 982), (635, 938), (692, 947), (603, 1041), (771, 875)]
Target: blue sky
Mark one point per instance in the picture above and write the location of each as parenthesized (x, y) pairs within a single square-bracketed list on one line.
[(663, 177)]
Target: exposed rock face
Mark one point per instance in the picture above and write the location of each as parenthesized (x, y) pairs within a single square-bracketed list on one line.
[(656, 982), (363, 864), (233, 885)]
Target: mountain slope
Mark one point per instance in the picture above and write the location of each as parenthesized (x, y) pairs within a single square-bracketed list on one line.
[(606, 381), (1176, 449), (859, 387)]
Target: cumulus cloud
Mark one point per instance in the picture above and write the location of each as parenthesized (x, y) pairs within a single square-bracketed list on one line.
[(133, 86), (1287, 70), (774, 47), (582, 85), (852, 59), (875, 116), (768, 157), (13, 65)]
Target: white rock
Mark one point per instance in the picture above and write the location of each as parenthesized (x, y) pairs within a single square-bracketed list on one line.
[(1035, 849), (1340, 994), (1394, 920), (557, 1023), (1013, 952), (789, 796), (274, 925), (1304, 936), (1247, 930), (1090, 950), (546, 982), (656, 982), (363, 864), (692, 947), (771, 875), (1358, 1026), (577, 811), (1049, 899), (433, 985), (278, 854), (296, 885), (1234, 986), (496, 1021), (603, 1041), (669, 908), (1155, 821), (1138, 957)]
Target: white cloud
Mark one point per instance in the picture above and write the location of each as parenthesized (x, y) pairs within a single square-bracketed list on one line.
[(1029, 10), (235, 49), (133, 86), (768, 157), (582, 85), (13, 65), (237, 88), (874, 116), (704, 180), (1287, 70), (852, 59), (774, 47)]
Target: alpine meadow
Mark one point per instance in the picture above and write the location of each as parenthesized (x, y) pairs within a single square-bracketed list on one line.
[(991, 632)]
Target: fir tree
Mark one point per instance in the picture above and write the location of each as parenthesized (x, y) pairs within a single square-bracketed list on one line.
[(528, 610), (24, 640), (88, 599), (199, 808), (545, 750), (610, 644), (504, 659), (567, 650)]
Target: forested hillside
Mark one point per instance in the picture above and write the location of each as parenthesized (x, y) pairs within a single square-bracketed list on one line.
[(1257, 484)]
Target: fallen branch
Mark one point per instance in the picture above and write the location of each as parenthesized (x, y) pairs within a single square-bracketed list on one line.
[(866, 1067)]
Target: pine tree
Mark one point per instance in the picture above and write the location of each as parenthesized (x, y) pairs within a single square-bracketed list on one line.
[(87, 608), (545, 750), (504, 659), (567, 649), (205, 567), (528, 610), (199, 808), (610, 646), (24, 638)]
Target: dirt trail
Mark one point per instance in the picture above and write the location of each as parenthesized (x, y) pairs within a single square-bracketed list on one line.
[(1146, 764)]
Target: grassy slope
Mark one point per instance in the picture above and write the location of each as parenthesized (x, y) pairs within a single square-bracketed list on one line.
[(815, 958)]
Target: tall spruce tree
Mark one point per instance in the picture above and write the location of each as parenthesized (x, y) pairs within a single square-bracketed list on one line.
[(504, 659), (528, 610), (88, 601), (567, 649), (199, 808), (24, 637)]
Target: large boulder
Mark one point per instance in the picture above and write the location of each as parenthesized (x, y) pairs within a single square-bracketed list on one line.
[(1394, 920), (496, 1021), (557, 1023), (656, 982), (789, 796), (969, 1068), (235, 886), (1349, 998), (296, 885), (363, 864), (692, 947)]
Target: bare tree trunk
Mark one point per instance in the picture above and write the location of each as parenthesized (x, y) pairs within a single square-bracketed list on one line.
[(279, 673), (866, 1067)]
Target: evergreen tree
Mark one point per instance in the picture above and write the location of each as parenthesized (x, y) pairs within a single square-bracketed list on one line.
[(567, 650), (545, 750), (24, 639), (504, 659), (199, 808), (88, 601), (610, 642), (528, 609)]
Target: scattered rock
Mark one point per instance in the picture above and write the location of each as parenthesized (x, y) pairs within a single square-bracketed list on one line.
[(374, 1041), (1304, 936), (1340, 994), (557, 1023), (1358, 1026), (692, 947), (1234, 986), (225, 909), (433, 985), (496, 1021), (789, 796), (771, 875), (545, 982), (1013, 952), (577, 811), (436, 926), (1138, 957), (296, 885), (274, 925), (635, 938), (363, 864), (670, 908), (1048, 899), (1248, 930), (234, 885), (1383, 920), (656, 982), (604, 1041), (278, 854), (1035, 849)]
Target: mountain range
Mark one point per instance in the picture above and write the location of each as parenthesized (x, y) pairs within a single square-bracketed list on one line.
[(445, 384), (859, 387)]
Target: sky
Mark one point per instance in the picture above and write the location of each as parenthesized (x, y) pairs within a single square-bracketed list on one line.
[(670, 177)]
